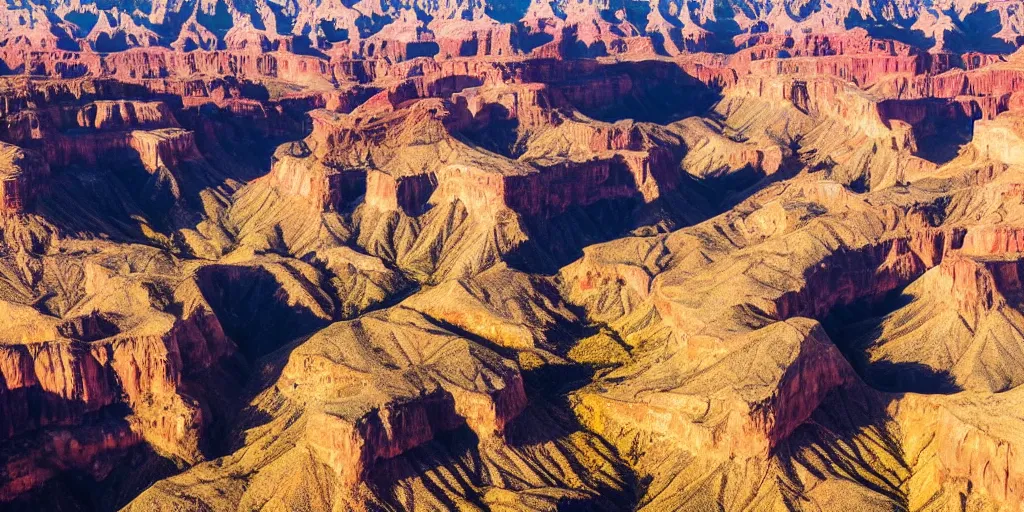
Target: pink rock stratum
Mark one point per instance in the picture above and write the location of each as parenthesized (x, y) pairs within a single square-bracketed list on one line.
[(512, 255)]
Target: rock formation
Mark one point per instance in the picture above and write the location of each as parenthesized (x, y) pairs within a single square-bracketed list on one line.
[(709, 255), (23, 178)]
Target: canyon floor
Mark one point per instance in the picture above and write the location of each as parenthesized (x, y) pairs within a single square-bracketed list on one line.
[(566, 262)]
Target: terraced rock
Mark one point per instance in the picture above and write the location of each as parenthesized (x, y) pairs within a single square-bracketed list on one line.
[(511, 256)]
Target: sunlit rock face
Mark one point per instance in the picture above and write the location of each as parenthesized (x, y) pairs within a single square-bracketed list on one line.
[(511, 255)]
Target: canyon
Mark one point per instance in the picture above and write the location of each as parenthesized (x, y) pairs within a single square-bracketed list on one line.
[(512, 255)]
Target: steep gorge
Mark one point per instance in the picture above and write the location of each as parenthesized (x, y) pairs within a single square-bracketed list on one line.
[(586, 256)]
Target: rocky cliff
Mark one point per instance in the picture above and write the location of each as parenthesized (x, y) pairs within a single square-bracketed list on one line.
[(23, 177), (536, 256)]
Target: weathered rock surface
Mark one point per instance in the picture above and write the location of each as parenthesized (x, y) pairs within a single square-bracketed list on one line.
[(511, 256), (23, 177)]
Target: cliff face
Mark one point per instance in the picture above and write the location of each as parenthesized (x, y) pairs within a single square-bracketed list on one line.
[(863, 70), (556, 188), (368, 424), (995, 80), (853, 42), (687, 404), (152, 149), (529, 105), (107, 115), (60, 383), (116, 365), (494, 29), (124, 114), (68, 379), (23, 176), (547, 256), (974, 288), (83, 134), (329, 188), (164, 148), (80, 450), (613, 162), (548, 190), (745, 425)]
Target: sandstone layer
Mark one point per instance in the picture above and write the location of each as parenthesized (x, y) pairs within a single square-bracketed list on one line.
[(630, 255)]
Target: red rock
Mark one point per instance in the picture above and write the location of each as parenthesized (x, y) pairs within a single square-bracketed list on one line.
[(1000, 139), (23, 178), (80, 450), (971, 286), (993, 240)]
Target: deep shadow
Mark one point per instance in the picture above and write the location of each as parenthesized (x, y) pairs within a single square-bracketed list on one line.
[(65, 41), (908, 377), (224, 391), (90, 327), (941, 127), (495, 129), (133, 471), (549, 387), (508, 11), (27, 409), (653, 91), (979, 32), (220, 22), (839, 441), (251, 308), (413, 193), (84, 21), (421, 49), (847, 326), (731, 187), (531, 41), (331, 33), (557, 240), (638, 12), (547, 419), (89, 203), (108, 480), (849, 436), (459, 446), (117, 198), (723, 28), (725, 193)]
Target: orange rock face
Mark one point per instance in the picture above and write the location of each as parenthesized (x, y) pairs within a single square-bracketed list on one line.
[(511, 255), (23, 179)]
